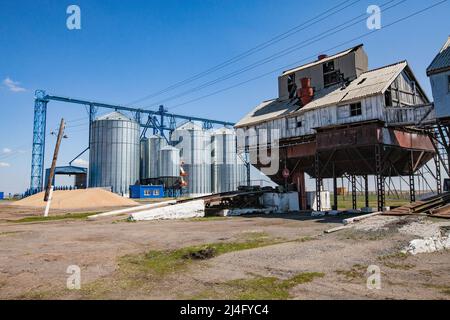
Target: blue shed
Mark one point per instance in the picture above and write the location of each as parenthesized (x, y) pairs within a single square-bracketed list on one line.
[(146, 192), (2, 195)]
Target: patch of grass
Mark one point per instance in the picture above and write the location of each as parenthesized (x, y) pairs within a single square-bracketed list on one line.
[(211, 218), (70, 216), (35, 295), (258, 288), (441, 288), (305, 239), (9, 233), (396, 261), (345, 202), (168, 261), (395, 255), (356, 272), (358, 235)]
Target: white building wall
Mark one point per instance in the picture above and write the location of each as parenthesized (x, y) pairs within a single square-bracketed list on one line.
[(441, 93)]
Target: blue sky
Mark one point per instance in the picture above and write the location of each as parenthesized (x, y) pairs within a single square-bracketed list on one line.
[(128, 49)]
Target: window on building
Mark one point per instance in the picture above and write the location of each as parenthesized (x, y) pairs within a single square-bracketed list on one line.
[(292, 87), (328, 66), (156, 192), (355, 109), (388, 98), (147, 193), (331, 78), (299, 124)]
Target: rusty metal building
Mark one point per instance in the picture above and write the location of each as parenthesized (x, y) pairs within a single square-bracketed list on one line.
[(335, 118)]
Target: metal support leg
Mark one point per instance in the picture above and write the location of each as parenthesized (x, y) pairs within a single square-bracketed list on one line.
[(412, 185), (354, 203), (318, 182), (335, 193), (38, 151), (438, 175), (366, 190), (380, 178)]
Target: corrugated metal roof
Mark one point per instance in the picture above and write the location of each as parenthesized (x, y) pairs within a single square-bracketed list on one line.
[(308, 65), (368, 84), (70, 170), (115, 115), (190, 126), (268, 110), (442, 61)]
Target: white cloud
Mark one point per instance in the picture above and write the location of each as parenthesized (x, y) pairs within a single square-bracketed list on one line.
[(6, 150), (13, 86), (81, 162), (4, 165)]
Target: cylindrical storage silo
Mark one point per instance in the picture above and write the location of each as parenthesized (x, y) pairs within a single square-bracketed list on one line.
[(194, 144), (169, 162), (114, 153), (224, 160), (150, 155), (155, 144), (144, 159)]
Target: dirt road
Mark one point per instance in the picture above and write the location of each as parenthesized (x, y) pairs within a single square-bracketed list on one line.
[(256, 257)]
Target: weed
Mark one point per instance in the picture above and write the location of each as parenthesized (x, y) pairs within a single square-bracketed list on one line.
[(70, 216)]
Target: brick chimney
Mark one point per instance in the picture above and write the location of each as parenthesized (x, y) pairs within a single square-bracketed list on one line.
[(306, 93)]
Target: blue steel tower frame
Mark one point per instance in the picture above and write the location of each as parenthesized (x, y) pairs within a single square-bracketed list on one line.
[(38, 150)]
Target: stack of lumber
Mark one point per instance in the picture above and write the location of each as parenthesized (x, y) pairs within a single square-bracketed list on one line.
[(437, 206)]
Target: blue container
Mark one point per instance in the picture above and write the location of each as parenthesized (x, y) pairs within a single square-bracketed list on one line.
[(2, 195), (146, 192)]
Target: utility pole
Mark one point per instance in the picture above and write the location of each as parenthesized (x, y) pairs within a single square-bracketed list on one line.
[(55, 157)]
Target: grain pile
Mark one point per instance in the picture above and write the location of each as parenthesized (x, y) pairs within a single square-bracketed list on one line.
[(77, 199)]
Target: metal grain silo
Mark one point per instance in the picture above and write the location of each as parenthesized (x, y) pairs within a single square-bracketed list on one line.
[(150, 155), (224, 160), (114, 153), (169, 162), (144, 159), (195, 153)]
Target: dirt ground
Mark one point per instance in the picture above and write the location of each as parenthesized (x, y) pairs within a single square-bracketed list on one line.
[(34, 257)]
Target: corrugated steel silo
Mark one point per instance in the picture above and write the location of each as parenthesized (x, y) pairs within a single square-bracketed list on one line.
[(224, 161), (114, 152), (169, 162), (195, 152), (144, 159), (150, 155)]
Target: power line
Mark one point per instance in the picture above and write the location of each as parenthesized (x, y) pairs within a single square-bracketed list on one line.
[(253, 50), (334, 30), (311, 57)]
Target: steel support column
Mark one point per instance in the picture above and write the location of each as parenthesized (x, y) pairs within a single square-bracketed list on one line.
[(380, 177), (318, 182), (335, 192), (354, 203), (38, 150), (437, 164), (366, 190), (412, 184)]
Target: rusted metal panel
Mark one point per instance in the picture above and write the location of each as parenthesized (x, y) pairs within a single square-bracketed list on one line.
[(302, 150), (409, 140), (348, 136)]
